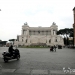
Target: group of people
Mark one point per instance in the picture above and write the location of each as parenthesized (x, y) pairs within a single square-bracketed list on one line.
[(53, 48)]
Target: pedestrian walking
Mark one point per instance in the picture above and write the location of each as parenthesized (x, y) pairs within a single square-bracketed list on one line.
[(54, 48)]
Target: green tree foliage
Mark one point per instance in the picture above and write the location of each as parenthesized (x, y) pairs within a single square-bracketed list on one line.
[(68, 32), (71, 33), (3, 43), (65, 31), (12, 40)]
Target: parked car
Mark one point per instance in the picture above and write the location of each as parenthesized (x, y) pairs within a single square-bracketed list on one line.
[(59, 47)]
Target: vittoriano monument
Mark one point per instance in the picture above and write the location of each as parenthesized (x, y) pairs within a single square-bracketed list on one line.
[(39, 36)]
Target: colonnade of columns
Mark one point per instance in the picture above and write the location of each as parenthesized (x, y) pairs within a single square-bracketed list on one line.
[(34, 32)]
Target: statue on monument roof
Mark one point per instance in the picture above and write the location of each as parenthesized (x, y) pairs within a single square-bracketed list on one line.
[(25, 23), (53, 23)]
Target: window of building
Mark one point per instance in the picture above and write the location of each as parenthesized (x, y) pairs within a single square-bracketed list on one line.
[(33, 32), (22, 40), (24, 32), (50, 32), (50, 41), (46, 32), (42, 32), (56, 40), (26, 40), (38, 31), (53, 32)]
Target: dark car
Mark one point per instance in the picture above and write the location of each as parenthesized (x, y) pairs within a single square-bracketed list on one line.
[(59, 47)]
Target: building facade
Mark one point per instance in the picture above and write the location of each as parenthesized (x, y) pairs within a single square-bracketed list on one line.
[(39, 36), (74, 24)]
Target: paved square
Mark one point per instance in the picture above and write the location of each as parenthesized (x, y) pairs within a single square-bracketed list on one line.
[(39, 72), (40, 60)]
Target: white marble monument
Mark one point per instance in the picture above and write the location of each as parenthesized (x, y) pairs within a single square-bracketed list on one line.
[(39, 36)]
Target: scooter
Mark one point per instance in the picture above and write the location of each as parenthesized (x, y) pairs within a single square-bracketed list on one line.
[(7, 56)]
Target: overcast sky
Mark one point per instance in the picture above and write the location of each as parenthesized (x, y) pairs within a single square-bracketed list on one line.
[(14, 13)]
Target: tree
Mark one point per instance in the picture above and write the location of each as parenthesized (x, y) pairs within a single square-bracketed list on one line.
[(12, 40), (64, 41), (68, 32), (71, 33), (65, 31), (67, 41), (0, 40), (2, 43)]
